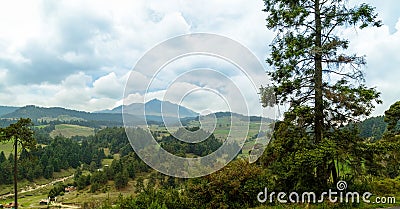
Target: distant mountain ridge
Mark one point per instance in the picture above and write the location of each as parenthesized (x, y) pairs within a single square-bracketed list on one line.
[(7, 109), (153, 108), (373, 127), (58, 113), (135, 112)]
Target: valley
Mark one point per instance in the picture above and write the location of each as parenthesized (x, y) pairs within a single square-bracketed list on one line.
[(95, 160), (58, 132)]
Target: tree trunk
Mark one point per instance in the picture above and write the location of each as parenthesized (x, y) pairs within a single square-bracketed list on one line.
[(319, 106), (15, 173), (332, 168)]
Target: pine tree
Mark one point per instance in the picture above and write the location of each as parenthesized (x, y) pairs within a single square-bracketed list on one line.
[(20, 133), (323, 86)]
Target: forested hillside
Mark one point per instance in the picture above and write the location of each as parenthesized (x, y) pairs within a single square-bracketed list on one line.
[(5, 110), (37, 113)]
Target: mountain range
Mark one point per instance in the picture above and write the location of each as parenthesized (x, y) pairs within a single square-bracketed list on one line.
[(156, 111), (371, 127), (154, 107), (6, 110), (62, 114)]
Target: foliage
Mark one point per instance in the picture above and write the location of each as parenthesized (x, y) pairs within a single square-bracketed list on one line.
[(387, 186), (121, 179), (291, 158), (57, 190), (307, 37), (114, 138), (21, 134), (61, 153), (372, 128), (178, 147), (323, 86), (82, 181), (235, 186), (42, 135), (392, 117), (6, 122)]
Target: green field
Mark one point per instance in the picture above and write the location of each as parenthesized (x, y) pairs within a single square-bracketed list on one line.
[(41, 126), (69, 130), (6, 147), (5, 189)]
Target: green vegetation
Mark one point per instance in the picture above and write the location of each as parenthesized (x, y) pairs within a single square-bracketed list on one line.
[(319, 142), (372, 128), (306, 54), (69, 130), (179, 148), (392, 117), (6, 147), (108, 174), (46, 161), (22, 136)]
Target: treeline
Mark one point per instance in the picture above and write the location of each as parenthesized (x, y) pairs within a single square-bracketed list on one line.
[(7, 122), (180, 148), (372, 128), (120, 171), (235, 186), (43, 161), (286, 166), (63, 153), (124, 169), (113, 138)]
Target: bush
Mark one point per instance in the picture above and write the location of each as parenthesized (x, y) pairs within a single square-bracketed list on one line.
[(94, 187), (57, 190), (387, 186)]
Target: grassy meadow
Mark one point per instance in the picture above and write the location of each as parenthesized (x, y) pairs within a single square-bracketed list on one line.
[(69, 130)]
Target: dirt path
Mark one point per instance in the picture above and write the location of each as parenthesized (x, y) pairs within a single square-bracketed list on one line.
[(66, 206), (36, 187)]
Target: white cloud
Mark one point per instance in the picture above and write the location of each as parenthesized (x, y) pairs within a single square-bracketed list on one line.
[(77, 81), (14, 57), (78, 54), (109, 86), (20, 20), (383, 61), (3, 75), (73, 57)]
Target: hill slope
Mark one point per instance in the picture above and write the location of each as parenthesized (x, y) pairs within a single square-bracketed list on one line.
[(7, 109), (58, 113)]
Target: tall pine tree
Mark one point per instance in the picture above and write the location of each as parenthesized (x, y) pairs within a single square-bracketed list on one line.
[(323, 85), (21, 134)]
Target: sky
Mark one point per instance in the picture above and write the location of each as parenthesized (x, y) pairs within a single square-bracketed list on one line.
[(79, 54)]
